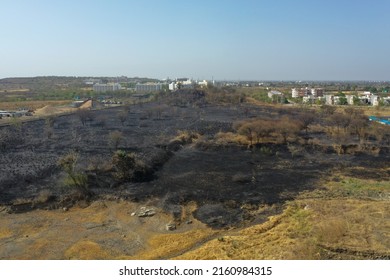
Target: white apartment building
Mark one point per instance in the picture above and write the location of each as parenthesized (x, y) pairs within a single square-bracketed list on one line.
[(106, 87), (294, 93), (329, 99), (172, 86), (374, 100), (148, 87)]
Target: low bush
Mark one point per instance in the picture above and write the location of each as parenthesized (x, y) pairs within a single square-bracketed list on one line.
[(186, 137), (129, 167), (75, 178)]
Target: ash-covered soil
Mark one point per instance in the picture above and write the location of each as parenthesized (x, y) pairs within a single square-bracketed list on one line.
[(228, 183)]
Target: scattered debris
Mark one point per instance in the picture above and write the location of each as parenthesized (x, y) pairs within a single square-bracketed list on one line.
[(170, 226), (144, 212)]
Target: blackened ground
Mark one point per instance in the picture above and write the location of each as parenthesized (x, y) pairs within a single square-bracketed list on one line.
[(227, 183)]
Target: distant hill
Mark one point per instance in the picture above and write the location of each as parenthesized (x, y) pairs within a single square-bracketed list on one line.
[(37, 83), (45, 82)]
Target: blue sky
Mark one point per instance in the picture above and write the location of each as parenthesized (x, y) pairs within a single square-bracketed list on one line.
[(246, 39)]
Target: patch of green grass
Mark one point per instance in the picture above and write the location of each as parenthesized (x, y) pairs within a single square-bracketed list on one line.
[(360, 184), (358, 188)]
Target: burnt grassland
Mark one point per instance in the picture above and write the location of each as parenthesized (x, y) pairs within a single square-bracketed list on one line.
[(230, 174)]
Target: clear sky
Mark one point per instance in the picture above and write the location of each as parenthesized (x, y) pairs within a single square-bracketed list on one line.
[(226, 39)]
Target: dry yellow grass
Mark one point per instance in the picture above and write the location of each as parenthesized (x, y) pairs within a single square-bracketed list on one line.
[(5, 232), (304, 228), (311, 227), (85, 250), (50, 110), (358, 227), (32, 104), (253, 101), (14, 90), (166, 246), (225, 138), (278, 238)]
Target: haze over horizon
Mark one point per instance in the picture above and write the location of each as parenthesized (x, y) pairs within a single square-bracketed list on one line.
[(227, 40)]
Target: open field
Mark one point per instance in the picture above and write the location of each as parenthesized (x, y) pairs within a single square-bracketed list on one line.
[(301, 195), (32, 104)]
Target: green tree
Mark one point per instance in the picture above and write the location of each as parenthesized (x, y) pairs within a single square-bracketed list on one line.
[(356, 101), (343, 100)]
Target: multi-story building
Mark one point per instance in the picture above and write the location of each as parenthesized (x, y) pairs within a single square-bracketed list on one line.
[(148, 87), (172, 86), (186, 84), (181, 83), (329, 99), (350, 99), (317, 91), (295, 93), (374, 100), (106, 87)]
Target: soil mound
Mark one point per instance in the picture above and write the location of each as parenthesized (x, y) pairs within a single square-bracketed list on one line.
[(86, 105), (47, 110)]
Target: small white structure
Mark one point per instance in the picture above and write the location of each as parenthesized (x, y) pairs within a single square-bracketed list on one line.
[(273, 93), (329, 99), (6, 114), (181, 83), (187, 84), (172, 86), (350, 99), (203, 84), (374, 100), (294, 93)]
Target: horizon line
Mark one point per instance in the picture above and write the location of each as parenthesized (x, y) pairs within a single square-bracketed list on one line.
[(235, 80)]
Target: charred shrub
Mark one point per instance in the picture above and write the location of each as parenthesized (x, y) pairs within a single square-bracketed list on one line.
[(128, 167), (75, 178)]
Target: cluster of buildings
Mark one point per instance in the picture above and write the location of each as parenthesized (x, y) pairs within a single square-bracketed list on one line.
[(317, 95), (172, 85), (365, 98), (308, 95), (307, 92), (152, 86), (314, 95)]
